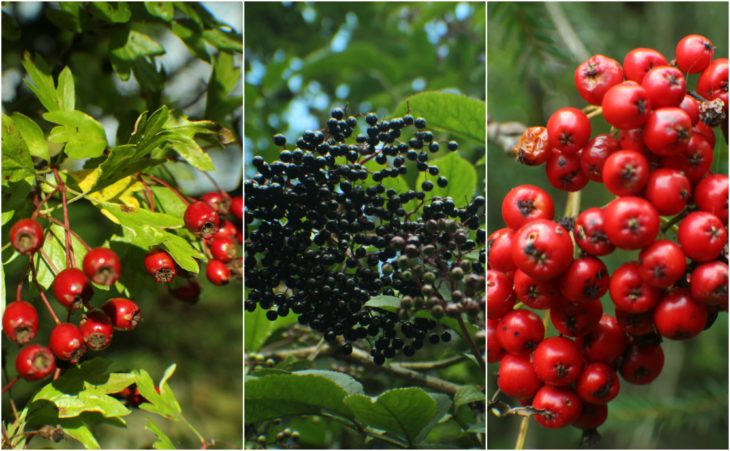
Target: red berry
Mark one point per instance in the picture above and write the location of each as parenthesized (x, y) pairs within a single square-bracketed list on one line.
[(569, 129), (590, 232), (102, 266), (631, 222), (708, 284), (160, 265), (499, 255), (668, 190), (97, 330), (633, 139), (696, 161), (665, 86), (694, 53), (629, 292), (591, 416), (542, 249), (237, 207), (711, 195), (712, 84), (692, 107), (702, 236), (594, 155), (124, 314), (564, 171), (220, 202), (217, 272), (20, 321), (586, 279), (188, 292), (668, 131), (72, 288), (598, 384), (35, 362), (706, 131), (678, 317), (67, 342), (223, 248), (605, 343), (26, 236), (494, 350), (227, 229), (201, 219), (537, 294), (642, 363), (662, 264), (500, 298), (557, 361), (562, 406), (517, 378), (639, 61), (625, 172), (525, 203), (626, 106), (520, 331), (636, 324), (597, 75), (576, 318)]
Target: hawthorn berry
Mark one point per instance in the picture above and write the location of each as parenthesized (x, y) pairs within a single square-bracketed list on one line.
[(237, 207), (642, 363), (542, 249), (537, 294), (562, 406), (569, 129), (495, 351), (605, 343), (221, 202), (574, 319), (160, 265), (594, 155), (694, 53), (97, 330), (692, 108), (668, 190), (564, 171), (35, 362), (217, 272), (517, 378), (533, 149), (26, 236), (626, 105), (102, 266), (667, 131), (124, 314), (20, 321), (665, 86), (67, 342), (662, 264), (590, 232), (713, 82), (500, 297), (222, 248), (625, 172), (201, 219), (499, 244), (520, 331), (591, 416), (557, 361), (702, 236), (595, 76), (629, 292), (711, 195), (585, 279), (678, 317), (630, 222), (188, 292), (525, 203), (709, 284), (641, 60), (72, 288), (598, 384)]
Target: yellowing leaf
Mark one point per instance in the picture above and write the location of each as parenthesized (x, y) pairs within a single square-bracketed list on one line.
[(122, 190)]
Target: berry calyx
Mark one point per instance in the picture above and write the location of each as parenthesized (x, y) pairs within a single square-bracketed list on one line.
[(97, 330), (20, 321), (201, 219), (35, 362), (160, 265), (124, 314), (67, 342), (102, 266), (72, 288), (26, 236)]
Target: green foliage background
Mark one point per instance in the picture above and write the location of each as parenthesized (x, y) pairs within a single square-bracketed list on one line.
[(530, 74)]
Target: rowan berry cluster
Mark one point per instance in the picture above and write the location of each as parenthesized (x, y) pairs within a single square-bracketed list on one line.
[(328, 229), (669, 207)]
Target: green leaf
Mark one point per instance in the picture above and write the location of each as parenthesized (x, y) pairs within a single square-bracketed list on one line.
[(81, 433), (32, 135), (10, 27), (443, 404), (461, 175), (192, 36), (83, 135), (468, 394), (54, 247), (162, 10), (41, 82), (116, 12), (182, 252), (129, 45), (123, 161), (345, 381), (224, 40), (16, 161), (167, 201), (275, 396), (67, 16), (402, 411), (390, 303), (258, 329), (191, 152), (163, 441), (223, 80), (136, 218), (455, 114)]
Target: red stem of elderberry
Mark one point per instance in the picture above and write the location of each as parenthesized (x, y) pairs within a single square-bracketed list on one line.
[(167, 185)]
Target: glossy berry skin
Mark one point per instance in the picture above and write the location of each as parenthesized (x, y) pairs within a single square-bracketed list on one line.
[(691, 107), (237, 207), (517, 378), (711, 195), (595, 76), (542, 249), (537, 294), (20, 321), (124, 314), (667, 131), (639, 61), (201, 219), (708, 284), (557, 361), (160, 265), (629, 292), (220, 202), (668, 190), (500, 298), (562, 404), (636, 324), (678, 317), (569, 129), (590, 232), (591, 416), (499, 255), (665, 86), (217, 272), (35, 362), (598, 384), (67, 343), (222, 248), (632, 139), (631, 222), (97, 330), (662, 264), (525, 203), (702, 236), (625, 172), (694, 53), (102, 266), (226, 229), (642, 363), (72, 288), (586, 279), (696, 161), (495, 351), (26, 236), (594, 154), (520, 331), (605, 343), (564, 171), (626, 106), (713, 83), (576, 318)]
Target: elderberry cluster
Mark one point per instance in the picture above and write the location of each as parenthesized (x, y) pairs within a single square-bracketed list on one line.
[(329, 228)]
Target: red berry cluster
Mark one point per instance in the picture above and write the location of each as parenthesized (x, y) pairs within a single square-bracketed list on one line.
[(656, 160)]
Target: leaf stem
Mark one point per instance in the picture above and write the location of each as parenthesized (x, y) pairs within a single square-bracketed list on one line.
[(470, 341)]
